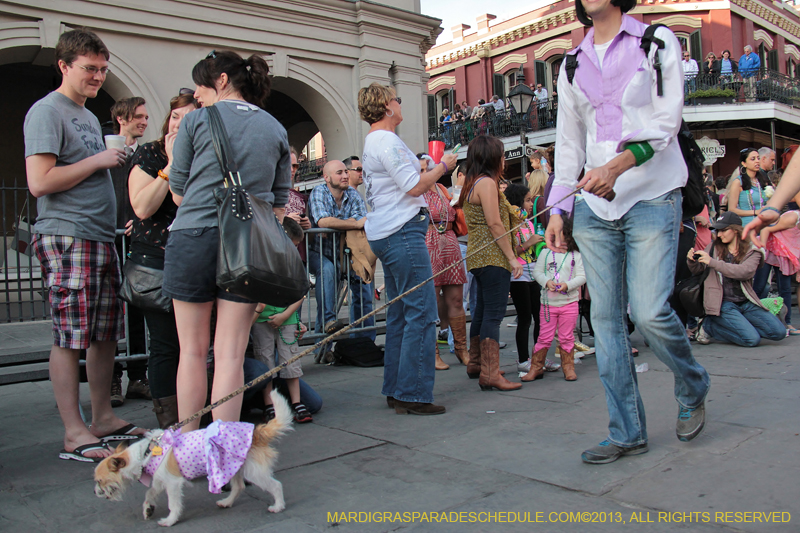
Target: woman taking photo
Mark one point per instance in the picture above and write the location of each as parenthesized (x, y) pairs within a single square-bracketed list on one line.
[(443, 248), (396, 228), (488, 215), (734, 312), (148, 187), (237, 87), (745, 197)]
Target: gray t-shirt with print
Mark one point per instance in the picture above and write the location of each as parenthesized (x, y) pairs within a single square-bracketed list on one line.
[(57, 125)]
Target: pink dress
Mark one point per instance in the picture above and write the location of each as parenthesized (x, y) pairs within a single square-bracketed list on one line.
[(443, 247), (218, 451), (783, 249)]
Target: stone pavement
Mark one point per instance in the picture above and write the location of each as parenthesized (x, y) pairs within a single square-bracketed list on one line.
[(491, 453)]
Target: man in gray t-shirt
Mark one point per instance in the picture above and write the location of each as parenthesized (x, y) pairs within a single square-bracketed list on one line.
[(67, 169)]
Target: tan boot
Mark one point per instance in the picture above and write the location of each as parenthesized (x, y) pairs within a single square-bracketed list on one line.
[(458, 326), (474, 363), (440, 365), (490, 368), (568, 364), (537, 366), (166, 410)]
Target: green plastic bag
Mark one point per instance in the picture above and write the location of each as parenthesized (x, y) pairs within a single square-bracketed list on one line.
[(773, 305)]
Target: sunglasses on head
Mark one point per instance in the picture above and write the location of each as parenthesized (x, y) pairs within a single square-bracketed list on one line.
[(186, 90), (747, 150), (212, 54)]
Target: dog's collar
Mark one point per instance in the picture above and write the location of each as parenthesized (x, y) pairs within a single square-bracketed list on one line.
[(153, 448)]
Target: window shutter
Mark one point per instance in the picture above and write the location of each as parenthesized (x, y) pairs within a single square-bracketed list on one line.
[(541, 72), (696, 46), (451, 97), (432, 114), (499, 86), (772, 60)]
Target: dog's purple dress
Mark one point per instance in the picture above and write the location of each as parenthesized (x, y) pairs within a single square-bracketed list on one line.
[(218, 452)]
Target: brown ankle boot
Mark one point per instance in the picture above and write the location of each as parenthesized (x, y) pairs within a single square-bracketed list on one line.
[(474, 363), (490, 368), (568, 364), (537, 366), (458, 326), (166, 410), (440, 365)]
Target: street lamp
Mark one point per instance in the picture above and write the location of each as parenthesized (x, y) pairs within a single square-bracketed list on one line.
[(521, 98)]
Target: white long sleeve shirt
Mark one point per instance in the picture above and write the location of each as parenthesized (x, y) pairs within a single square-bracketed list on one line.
[(606, 107)]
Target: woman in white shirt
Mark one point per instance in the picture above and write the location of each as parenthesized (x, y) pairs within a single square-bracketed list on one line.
[(396, 228)]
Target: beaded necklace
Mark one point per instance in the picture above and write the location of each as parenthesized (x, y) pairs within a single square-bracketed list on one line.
[(556, 278), (520, 239), (296, 336), (760, 196), (444, 214)]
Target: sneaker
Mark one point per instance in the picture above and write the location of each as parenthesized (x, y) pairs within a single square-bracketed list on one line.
[(335, 325), (512, 324), (525, 366), (138, 389), (301, 414), (441, 338), (690, 422), (702, 337), (580, 347), (501, 345), (269, 413), (551, 366), (117, 399), (605, 452)]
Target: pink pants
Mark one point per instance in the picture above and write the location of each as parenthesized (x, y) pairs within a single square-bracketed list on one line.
[(564, 318)]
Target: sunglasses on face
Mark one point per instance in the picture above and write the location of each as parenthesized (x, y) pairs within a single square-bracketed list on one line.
[(398, 100), (356, 169)]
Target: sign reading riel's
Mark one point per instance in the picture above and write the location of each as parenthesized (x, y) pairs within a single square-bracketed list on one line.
[(711, 150)]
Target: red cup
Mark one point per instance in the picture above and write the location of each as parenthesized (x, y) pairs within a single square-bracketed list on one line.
[(436, 151)]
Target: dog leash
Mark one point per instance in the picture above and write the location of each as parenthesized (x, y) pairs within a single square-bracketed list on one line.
[(350, 326)]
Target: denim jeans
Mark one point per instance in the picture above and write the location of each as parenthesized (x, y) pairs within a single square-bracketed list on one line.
[(784, 287), (253, 397), (471, 288), (493, 286), (633, 259), (744, 324), (326, 291), (408, 371)]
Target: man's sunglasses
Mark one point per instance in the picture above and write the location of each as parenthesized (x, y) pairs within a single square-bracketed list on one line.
[(356, 169)]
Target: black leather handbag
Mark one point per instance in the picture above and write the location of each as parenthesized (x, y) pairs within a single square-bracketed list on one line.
[(690, 293), (256, 259), (141, 287)]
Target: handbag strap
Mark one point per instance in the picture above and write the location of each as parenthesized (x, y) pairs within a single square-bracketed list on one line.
[(222, 147)]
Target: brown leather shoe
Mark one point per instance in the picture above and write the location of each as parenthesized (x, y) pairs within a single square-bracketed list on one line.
[(474, 363), (537, 366), (568, 364), (417, 408), (458, 326), (166, 410), (440, 365), (390, 402), (490, 368)]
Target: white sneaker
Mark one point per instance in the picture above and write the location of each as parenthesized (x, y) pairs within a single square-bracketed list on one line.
[(551, 366), (512, 324), (524, 367), (702, 337)]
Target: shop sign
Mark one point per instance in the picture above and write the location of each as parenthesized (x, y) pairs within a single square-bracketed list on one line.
[(711, 150)]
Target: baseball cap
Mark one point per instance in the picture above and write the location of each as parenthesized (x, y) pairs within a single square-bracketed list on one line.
[(727, 219)]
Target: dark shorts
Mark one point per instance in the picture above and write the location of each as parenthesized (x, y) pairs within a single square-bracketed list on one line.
[(190, 267), (83, 279)]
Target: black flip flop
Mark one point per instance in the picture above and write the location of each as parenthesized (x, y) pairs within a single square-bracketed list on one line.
[(123, 433), (78, 453)]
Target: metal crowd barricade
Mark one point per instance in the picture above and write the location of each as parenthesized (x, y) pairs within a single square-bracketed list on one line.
[(341, 286)]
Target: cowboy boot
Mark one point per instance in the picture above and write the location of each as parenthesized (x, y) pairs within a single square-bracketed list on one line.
[(537, 366), (166, 410), (490, 376), (440, 365), (474, 363), (568, 364), (458, 326)]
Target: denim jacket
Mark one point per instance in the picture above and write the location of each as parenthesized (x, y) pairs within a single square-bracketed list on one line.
[(743, 272)]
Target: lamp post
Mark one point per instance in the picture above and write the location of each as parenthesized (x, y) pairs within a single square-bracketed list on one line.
[(521, 98)]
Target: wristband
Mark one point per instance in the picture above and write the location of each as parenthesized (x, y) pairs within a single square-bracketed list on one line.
[(769, 208), (163, 176), (446, 170), (642, 151)]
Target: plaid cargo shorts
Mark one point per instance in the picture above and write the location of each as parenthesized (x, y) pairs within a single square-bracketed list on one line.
[(83, 278)]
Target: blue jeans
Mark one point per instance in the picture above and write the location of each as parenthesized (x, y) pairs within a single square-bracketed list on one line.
[(493, 286), (408, 371), (633, 259), (784, 287), (253, 396), (471, 288), (744, 324), (326, 291)]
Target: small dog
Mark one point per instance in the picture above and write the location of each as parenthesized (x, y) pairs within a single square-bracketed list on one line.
[(113, 475)]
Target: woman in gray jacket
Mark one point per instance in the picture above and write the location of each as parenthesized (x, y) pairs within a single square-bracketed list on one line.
[(734, 312)]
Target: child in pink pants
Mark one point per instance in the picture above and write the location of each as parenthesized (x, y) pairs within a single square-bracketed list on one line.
[(561, 276)]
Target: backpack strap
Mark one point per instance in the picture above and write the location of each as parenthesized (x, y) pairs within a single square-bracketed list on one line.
[(648, 39), (571, 63)]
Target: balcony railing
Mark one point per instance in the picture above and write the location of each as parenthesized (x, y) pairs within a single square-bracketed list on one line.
[(763, 85)]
